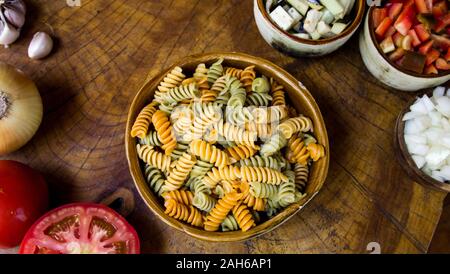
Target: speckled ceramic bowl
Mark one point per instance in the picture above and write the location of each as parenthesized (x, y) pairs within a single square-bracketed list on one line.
[(387, 71), (298, 47)]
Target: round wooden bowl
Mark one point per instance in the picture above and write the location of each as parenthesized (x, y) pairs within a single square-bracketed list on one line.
[(406, 160), (299, 97)]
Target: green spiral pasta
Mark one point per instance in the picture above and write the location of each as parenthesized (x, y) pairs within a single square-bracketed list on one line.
[(261, 161), (178, 151), (151, 139), (261, 85), (286, 191), (167, 107), (230, 224), (275, 143), (258, 99), (237, 93), (196, 185), (272, 207), (215, 71), (203, 201), (263, 190), (181, 93), (201, 168), (155, 178)]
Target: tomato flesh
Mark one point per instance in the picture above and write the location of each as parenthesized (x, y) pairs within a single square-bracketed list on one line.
[(81, 229)]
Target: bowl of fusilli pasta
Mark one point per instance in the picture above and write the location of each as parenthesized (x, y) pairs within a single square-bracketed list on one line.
[(226, 146)]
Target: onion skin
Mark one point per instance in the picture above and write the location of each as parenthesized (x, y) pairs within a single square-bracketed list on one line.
[(24, 113)]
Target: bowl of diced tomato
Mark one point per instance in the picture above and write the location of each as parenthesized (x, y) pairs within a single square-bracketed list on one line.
[(406, 43)]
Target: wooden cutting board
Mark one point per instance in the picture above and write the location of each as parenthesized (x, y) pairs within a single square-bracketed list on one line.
[(104, 51)]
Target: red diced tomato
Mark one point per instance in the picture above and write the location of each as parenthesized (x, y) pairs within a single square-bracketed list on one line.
[(394, 10), (447, 55), (415, 39), (440, 9), (391, 31), (426, 47), (378, 15), (383, 27), (432, 56), (442, 64), (422, 6), (422, 32), (442, 23), (431, 69), (405, 20)]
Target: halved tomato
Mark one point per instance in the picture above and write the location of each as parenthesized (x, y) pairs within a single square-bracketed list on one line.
[(81, 228)]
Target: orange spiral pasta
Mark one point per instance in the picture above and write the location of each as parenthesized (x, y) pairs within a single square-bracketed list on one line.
[(278, 93), (213, 177), (180, 173), (188, 214), (247, 77), (154, 158), (188, 81), (251, 201), (172, 80), (262, 175), (243, 217), (241, 152), (221, 210), (142, 123), (294, 125), (200, 76), (184, 197), (208, 96), (234, 72), (165, 132), (316, 151), (298, 152), (209, 153)]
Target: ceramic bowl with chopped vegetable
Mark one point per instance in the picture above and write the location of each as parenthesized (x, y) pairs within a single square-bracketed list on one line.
[(308, 27), (405, 44), (423, 139)]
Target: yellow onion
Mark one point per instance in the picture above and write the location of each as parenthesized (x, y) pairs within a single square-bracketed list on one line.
[(20, 109)]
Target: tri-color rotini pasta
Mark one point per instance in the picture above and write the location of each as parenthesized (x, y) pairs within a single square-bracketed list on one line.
[(222, 147)]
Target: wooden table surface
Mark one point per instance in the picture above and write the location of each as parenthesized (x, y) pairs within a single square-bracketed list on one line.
[(105, 49)]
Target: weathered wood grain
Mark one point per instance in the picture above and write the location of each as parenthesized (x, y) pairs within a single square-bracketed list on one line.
[(105, 50)]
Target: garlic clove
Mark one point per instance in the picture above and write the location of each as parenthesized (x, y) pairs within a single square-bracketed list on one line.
[(19, 5), (40, 46), (15, 17), (8, 34)]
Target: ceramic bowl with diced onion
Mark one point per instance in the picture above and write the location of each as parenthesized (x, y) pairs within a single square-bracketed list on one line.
[(406, 45), (308, 27), (423, 139)]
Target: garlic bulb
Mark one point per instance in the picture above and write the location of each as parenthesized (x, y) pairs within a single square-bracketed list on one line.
[(41, 45), (15, 17), (20, 109), (12, 18), (8, 34)]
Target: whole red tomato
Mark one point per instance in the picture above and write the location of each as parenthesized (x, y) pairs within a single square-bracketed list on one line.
[(23, 199)]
